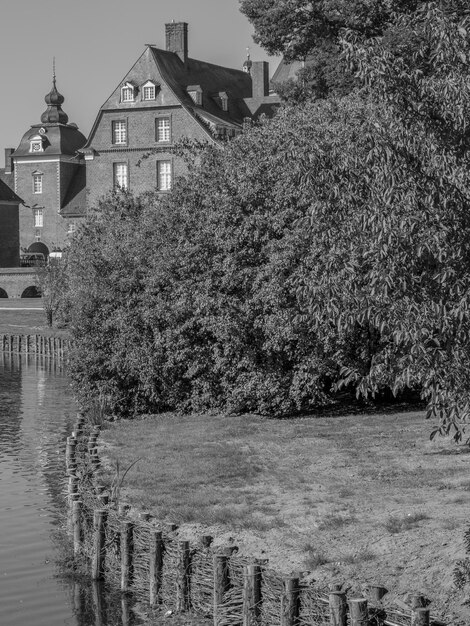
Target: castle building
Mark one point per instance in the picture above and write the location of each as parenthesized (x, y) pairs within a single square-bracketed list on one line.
[(9, 228), (167, 96), (48, 173)]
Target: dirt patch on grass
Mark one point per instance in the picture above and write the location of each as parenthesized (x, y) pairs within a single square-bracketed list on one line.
[(363, 499)]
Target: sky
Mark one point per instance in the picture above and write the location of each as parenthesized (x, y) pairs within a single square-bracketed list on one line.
[(95, 43)]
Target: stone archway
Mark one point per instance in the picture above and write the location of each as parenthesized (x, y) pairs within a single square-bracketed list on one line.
[(31, 292), (40, 247), (3, 293)]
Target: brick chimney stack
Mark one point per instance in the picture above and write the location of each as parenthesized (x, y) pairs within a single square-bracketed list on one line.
[(260, 79), (8, 160), (177, 39)]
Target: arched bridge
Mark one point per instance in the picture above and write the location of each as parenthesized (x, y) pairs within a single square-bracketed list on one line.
[(17, 282)]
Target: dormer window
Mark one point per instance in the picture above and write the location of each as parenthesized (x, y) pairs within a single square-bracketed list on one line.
[(35, 144), (127, 92), (195, 93), (149, 90), (222, 100)]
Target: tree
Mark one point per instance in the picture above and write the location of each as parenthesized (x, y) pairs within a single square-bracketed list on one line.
[(310, 30), (392, 256), (52, 284)]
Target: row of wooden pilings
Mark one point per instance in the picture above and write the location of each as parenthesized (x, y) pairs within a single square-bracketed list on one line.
[(39, 345), (342, 611)]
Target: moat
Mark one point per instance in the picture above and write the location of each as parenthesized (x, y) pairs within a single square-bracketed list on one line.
[(36, 415)]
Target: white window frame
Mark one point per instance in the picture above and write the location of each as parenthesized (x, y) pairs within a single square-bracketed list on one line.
[(163, 132), (119, 134), (149, 91), (37, 182), (164, 174), (127, 93), (72, 227), (121, 175), (38, 215), (36, 145)]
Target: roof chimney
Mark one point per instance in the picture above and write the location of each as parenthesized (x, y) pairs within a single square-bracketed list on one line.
[(177, 39), (260, 79), (9, 160)]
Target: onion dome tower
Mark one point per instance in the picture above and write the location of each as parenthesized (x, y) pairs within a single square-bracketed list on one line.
[(50, 177), (54, 100)]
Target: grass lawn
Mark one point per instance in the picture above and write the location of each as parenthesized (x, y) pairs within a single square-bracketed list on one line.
[(363, 498), (27, 322)]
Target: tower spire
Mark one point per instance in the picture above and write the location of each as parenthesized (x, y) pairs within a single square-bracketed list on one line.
[(54, 100)]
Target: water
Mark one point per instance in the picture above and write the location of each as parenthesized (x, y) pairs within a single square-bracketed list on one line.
[(36, 416)]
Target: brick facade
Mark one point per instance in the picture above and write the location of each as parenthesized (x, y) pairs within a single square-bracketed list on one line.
[(192, 99), (202, 101)]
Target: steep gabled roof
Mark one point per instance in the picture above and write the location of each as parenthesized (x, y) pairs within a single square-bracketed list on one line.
[(167, 68), (74, 204), (7, 194), (211, 78)]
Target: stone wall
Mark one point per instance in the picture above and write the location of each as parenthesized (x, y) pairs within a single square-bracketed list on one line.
[(15, 280)]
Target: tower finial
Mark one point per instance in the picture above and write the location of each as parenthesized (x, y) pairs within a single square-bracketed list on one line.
[(248, 63), (53, 70)]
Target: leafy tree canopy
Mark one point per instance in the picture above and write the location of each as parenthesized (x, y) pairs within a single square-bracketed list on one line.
[(310, 30)]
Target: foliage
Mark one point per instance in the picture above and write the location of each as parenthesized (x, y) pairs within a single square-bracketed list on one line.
[(395, 259), (52, 284), (328, 246), (310, 30)]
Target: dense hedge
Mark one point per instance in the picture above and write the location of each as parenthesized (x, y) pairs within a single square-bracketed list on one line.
[(191, 301), (328, 246)]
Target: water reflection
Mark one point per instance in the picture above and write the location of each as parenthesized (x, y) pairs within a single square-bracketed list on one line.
[(37, 414)]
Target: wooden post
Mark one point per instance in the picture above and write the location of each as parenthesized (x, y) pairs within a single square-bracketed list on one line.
[(127, 548), (420, 617), (377, 592), (123, 509), (251, 595), (70, 451), (155, 566), (290, 605), (358, 612), (76, 526), (418, 604), (125, 612), (99, 555), (183, 577), (73, 485), (338, 608), (206, 541), (221, 582), (73, 497), (97, 589), (103, 499)]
